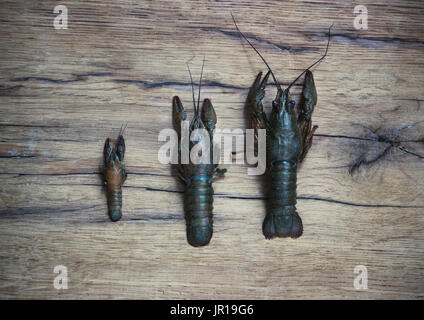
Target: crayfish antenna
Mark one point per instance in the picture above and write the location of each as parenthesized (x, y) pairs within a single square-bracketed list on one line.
[(192, 87), (122, 130), (196, 108), (200, 86), (263, 59), (316, 62)]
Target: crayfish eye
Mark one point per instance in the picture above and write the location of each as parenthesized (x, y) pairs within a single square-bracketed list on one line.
[(275, 106)]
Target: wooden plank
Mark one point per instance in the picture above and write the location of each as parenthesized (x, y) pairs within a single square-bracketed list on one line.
[(62, 92)]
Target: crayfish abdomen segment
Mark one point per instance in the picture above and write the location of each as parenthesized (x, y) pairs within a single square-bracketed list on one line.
[(114, 202), (198, 208), (282, 219)]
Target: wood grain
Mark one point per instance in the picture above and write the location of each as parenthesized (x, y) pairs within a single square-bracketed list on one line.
[(62, 92)]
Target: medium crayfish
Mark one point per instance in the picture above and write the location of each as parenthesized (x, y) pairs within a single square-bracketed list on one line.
[(197, 177)]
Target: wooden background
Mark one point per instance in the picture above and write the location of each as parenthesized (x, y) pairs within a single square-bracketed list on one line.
[(62, 92)]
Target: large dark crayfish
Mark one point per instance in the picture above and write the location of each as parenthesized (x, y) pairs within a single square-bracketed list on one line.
[(114, 174), (198, 177), (288, 139)]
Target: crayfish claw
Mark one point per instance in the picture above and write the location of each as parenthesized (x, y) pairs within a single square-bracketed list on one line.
[(309, 98), (208, 115), (178, 113)]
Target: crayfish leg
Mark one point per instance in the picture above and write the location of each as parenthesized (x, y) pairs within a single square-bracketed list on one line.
[(307, 135), (218, 172)]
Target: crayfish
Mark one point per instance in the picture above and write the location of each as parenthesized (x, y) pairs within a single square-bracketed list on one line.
[(114, 174), (288, 139), (197, 177)]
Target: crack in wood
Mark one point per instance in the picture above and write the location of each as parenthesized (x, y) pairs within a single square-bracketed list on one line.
[(5, 213), (325, 200), (235, 34), (381, 138), (227, 196), (77, 78), (362, 161), (162, 84), (375, 42), (365, 41), (17, 156), (140, 83)]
